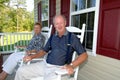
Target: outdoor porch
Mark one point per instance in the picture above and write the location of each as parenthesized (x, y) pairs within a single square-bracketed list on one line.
[(95, 68), (8, 43)]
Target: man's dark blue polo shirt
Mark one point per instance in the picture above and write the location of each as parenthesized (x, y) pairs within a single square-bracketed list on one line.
[(57, 55)]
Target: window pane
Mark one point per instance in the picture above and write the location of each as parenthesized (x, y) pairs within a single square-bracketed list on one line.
[(45, 23), (76, 20), (82, 4), (74, 5), (78, 5), (91, 3), (89, 40), (44, 9), (82, 19), (90, 21)]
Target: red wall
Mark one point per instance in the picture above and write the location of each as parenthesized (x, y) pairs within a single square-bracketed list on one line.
[(109, 29), (39, 11), (65, 9), (52, 13), (52, 10)]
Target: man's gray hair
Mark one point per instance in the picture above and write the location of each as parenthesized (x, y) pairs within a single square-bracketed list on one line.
[(58, 16)]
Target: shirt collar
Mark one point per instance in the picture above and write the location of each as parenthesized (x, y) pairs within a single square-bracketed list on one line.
[(38, 34), (66, 32)]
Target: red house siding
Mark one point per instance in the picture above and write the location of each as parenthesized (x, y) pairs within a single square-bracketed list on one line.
[(39, 11), (109, 29), (65, 9), (52, 12)]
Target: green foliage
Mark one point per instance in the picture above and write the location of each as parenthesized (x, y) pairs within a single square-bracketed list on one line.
[(15, 20), (2, 3)]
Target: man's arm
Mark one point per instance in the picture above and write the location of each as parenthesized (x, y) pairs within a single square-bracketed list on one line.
[(81, 52), (30, 57), (20, 46), (78, 61)]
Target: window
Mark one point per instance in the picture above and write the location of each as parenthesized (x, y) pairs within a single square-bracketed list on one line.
[(45, 13), (82, 4), (83, 11)]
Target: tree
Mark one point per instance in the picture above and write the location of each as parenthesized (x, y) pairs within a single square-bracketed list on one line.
[(2, 3), (13, 19)]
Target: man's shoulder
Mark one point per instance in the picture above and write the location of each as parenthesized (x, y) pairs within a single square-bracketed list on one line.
[(72, 34), (73, 37)]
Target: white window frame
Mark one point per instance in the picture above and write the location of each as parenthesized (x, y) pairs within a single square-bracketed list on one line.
[(96, 18)]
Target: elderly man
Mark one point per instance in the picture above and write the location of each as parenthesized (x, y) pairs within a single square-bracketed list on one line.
[(56, 48), (35, 45)]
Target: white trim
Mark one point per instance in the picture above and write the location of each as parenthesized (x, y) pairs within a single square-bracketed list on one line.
[(96, 20), (83, 11), (45, 20), (96, 9)]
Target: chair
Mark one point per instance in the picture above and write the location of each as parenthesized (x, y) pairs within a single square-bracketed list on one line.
[(80, 34), (46, 31)]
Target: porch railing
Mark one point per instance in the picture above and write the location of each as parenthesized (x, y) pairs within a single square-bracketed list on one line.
[(9, 40)]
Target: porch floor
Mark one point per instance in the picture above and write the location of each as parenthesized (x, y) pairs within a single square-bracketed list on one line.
[(11, 76), (96, 68)]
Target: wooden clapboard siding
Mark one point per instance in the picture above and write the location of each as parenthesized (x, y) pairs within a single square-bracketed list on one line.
[(100, 68), (65, 9)]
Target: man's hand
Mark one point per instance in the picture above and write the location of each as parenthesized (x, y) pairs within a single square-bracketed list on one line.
[(27, 58), (20, 46), (69, 68), (31, 52), (28, 53)]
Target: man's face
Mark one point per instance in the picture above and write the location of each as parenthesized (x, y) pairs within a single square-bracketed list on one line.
[(37, 29), (59, 24)]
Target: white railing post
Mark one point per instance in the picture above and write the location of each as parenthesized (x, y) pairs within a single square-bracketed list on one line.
[(24, 41), (10, 42), (3, 43)]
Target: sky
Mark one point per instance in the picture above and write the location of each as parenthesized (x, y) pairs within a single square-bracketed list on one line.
[(30, 5)]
